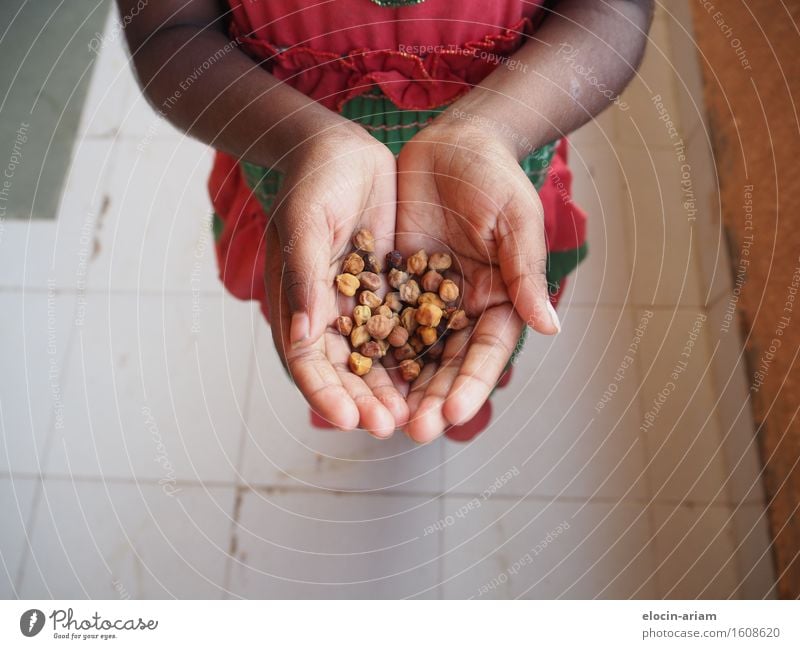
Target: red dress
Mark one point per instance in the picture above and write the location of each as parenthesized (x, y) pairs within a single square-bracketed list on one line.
[(421, 56)]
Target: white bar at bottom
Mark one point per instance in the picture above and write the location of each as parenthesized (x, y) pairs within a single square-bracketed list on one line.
[(401, 624)]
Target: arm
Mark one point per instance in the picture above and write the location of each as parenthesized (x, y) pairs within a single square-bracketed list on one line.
[(234, 104), (583, 54), (197, 79), (460, 183)]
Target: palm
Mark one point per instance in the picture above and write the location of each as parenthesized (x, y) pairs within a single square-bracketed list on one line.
[(315, 218), (457, 199)]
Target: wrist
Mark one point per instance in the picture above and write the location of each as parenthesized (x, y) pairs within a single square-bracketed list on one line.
[(455, 129), (480, 121), (316, 134)]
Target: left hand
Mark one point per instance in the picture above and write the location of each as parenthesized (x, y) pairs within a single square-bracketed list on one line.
[(462, 191)]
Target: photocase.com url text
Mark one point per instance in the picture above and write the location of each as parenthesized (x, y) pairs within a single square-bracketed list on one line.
[(730, 632), (696, 616)]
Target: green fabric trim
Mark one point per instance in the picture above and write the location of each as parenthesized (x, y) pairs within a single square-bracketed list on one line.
[(217, 226), (397, 3), (537, 163), (517, 351), (264, 183), (392, 127), (562, 262), (386, 122)]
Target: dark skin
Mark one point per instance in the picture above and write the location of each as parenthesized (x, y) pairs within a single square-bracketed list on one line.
[(458, 180)]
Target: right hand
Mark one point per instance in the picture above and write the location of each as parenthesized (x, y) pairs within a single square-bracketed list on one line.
[(334, 185)]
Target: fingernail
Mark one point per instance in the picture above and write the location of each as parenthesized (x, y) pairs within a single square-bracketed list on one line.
[(554, 316), (381, 437), (299, 329)]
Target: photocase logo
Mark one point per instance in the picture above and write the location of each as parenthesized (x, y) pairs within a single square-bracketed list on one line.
[(31, 622)]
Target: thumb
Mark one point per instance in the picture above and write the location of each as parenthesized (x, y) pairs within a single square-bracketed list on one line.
[(522, 253), (305, 248)]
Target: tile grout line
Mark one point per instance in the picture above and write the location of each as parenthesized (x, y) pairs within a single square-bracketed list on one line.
[(284, 489), (62, 377), (239, 491), (30, 525), (629, 214), (710, 301), (648, 477), (714, 361)]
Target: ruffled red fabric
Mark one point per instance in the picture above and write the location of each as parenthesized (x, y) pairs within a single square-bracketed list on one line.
[(241, 246), (411, 82), (564, 221)]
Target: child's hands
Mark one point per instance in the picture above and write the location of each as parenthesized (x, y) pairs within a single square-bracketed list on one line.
[(335, 185), (463, 190)]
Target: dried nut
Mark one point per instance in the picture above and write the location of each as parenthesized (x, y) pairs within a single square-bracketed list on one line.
[(428, 335), (359, 336), (428, 315), (371, 263), (439, 261), (435, 351), (458, 320), (410, 369), (384, 346), (363, 240), (347, 284), (369, 281), (368, 298), (393, 301), (413, 320), (359, 364), (394, 260), (361, 314), (448, 291), (398, 337), (404, 352), (409, 292), (416, 344), (344, 325), (379, 326), (371, 349), (431, 298), (353, 264), (417, 263), (408, 319), (397, 278), (431, 281)]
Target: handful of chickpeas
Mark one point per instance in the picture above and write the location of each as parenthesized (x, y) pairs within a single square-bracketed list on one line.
[(411, 321)]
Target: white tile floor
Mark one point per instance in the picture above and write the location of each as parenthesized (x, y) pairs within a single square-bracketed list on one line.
[(152, 446)]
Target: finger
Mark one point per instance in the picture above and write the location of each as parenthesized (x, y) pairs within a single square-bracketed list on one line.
[(384, 388), (322, 386), (492, 342), (429, 421), (374, 416), (417, 393), (305, 276), (276, 301), (308, 367), (483, 286), (522, 252)]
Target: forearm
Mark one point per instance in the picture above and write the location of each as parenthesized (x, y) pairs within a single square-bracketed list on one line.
[(580, 59), (202, 83)]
